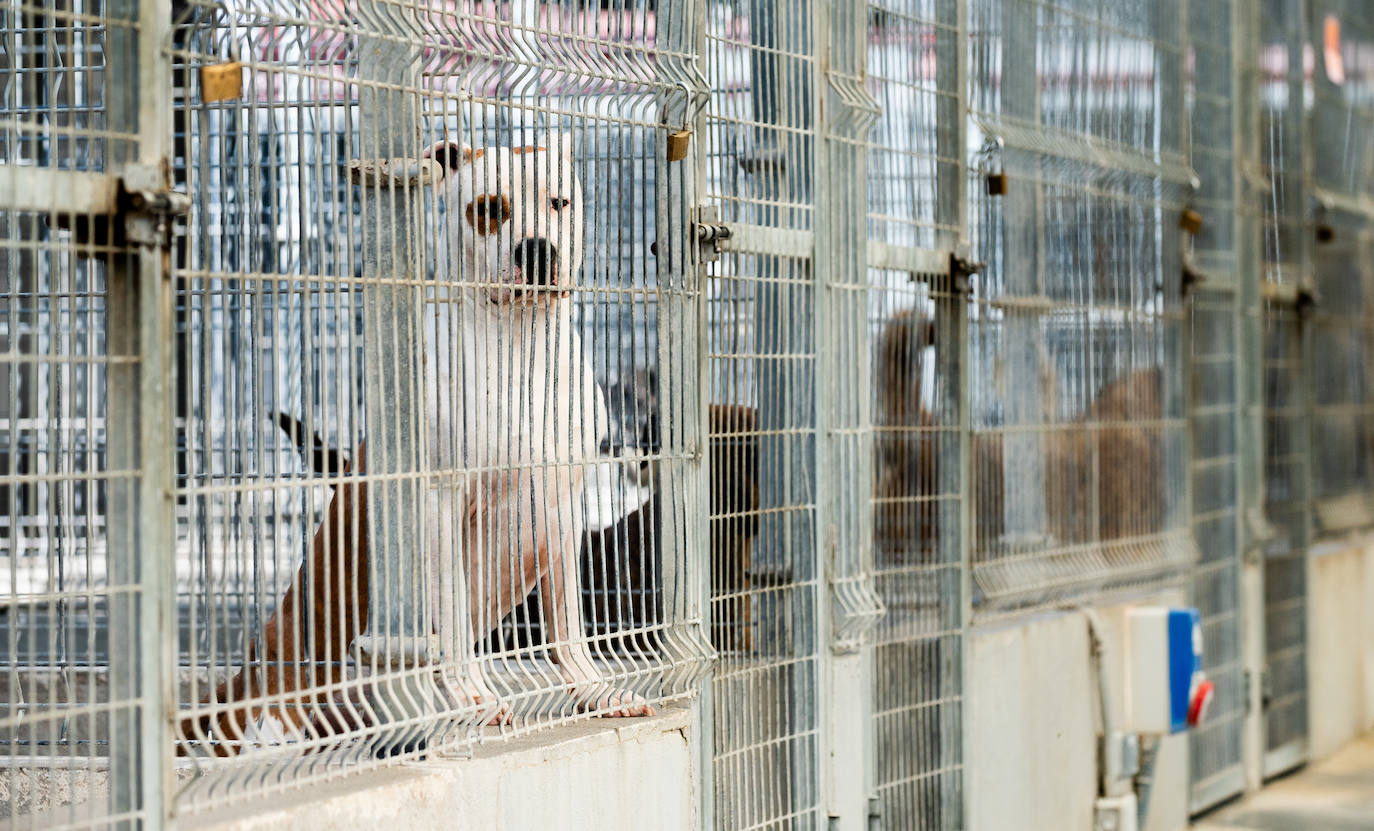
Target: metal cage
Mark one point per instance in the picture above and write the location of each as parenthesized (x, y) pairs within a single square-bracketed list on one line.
[(813, 334)]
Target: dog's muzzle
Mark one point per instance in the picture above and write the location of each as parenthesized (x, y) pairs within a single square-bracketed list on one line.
[(537, 259)]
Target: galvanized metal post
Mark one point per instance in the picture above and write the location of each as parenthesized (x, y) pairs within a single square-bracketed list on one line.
[(952, 364), (398, 636), (682, 365), (844, 471), (697, 583), (141, 530), (1023, 227), (1245, 42)]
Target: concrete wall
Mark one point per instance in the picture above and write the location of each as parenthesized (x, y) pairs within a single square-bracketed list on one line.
[(1341, 644), (609, 774), (1033, 721)]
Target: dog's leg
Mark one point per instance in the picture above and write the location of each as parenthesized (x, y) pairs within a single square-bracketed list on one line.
[(454, 524), (561, 603)]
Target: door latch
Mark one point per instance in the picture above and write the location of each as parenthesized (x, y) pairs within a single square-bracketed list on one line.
[(149, 205), (961, 267)]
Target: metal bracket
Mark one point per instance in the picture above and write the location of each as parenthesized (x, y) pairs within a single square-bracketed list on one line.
[(960, 269), (709, 232)]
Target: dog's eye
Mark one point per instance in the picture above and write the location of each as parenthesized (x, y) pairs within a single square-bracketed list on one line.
[(558, 203)]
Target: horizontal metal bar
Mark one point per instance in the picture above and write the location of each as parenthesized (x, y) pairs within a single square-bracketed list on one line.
[(49, 190), (1083, 147), (904, 258), (775, 242), (1353, 204)]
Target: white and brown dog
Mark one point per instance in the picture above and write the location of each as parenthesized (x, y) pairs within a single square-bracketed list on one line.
[(515, 421), (516, 415)]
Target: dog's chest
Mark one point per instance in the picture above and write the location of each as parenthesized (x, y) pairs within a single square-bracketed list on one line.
[(507, 387)]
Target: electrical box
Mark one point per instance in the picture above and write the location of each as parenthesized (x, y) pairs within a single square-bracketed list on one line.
[(1166, 691)]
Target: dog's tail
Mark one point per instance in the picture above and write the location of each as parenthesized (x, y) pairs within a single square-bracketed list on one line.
[(318, 457)]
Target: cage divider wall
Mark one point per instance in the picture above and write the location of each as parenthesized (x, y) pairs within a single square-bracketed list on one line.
[(1285, 158), (1215, 268)]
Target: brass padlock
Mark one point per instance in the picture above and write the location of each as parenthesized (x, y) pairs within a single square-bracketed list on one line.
[(1190, 221), (221, 81), (997, 184), (678, 143)]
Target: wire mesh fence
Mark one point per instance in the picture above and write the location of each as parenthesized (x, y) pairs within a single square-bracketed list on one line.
[(761, 360), (1076, 328), (521, 357), (1213, 275), (1341, 126), (915, 326), (510, 258)]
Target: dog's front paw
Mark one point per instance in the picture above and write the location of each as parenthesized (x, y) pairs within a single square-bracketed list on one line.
[(472, 693)]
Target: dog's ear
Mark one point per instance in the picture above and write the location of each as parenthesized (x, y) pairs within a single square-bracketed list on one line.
[(451, 155), (561, 143)]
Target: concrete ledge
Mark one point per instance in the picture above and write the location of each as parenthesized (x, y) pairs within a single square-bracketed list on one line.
[(607, 773)]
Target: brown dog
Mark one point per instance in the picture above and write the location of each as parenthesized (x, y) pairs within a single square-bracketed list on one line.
[(910, 447), (295, 666), (1087, 496)]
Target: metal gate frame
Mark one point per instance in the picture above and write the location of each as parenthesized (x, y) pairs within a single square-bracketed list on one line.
[(130, 198)]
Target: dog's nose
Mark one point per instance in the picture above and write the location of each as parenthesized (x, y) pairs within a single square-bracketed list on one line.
[(537, 259)]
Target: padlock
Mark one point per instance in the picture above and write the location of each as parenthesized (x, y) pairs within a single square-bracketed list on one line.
[(221, 81), (994, 180), (1190, 221), (678, 143), (680, 140)]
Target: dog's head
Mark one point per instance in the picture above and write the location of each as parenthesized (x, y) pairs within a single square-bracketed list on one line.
[(516, 216)]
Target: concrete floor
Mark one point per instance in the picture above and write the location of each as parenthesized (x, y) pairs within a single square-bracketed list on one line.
[(1336, 794)]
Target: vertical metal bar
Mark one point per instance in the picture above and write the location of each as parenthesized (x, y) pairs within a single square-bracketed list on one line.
[(1250, 357), (955, 129), (141, 528), (1023, 225), (694, 43), (389, 127), (682, 367)]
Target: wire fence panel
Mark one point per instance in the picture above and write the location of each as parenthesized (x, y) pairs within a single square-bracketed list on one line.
[(1215, 762), (761, 355), (1076, 330), (414, 218), (80, 353), (916, 328), (1342, 136)]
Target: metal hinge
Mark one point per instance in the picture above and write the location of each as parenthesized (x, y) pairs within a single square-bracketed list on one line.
[(875, 814), (148, 205), (961, 267)]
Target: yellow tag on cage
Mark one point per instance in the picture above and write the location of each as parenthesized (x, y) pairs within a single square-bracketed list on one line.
[(221, 81), (678, 142)]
